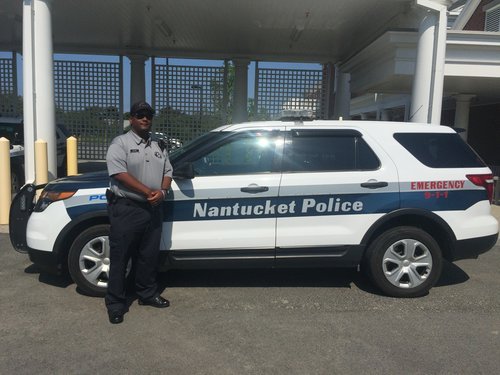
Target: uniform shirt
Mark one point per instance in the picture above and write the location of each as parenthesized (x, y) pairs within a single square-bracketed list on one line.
[(142, 159)]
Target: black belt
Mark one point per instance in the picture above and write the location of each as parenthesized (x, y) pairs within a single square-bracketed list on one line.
[(112, 198)]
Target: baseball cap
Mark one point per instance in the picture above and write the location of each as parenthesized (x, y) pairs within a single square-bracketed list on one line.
[(141, 106)]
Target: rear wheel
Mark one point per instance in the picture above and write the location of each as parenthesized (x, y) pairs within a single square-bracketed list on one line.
[(404, 262), (88, 260)]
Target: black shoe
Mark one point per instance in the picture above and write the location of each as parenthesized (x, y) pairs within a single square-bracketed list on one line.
[(115, 316), (157, 301)]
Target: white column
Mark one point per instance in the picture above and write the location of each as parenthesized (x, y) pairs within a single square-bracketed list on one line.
[(240, 90), (427, 92), (137, 78), (38, 84), (342, 106), (462, 113)]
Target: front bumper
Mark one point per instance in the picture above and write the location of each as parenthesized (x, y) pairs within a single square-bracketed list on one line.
[(47, 261)]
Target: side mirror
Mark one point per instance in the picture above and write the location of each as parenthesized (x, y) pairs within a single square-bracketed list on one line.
[(184, 171)]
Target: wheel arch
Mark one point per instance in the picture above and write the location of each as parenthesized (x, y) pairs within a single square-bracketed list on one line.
[(425, 220), (69, 233)]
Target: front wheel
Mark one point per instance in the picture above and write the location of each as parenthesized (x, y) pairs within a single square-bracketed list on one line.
[(404, 262), (88, 260)]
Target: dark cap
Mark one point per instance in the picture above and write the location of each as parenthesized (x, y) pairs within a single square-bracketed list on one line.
[(142, 105)]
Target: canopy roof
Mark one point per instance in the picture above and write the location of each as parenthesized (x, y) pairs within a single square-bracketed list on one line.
[(316, 30)]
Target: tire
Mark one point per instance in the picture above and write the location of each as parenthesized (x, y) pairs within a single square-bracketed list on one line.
[(404, 262), (88, 260)]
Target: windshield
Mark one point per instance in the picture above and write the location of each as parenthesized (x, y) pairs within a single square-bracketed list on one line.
[(194, 144), (13, 132)]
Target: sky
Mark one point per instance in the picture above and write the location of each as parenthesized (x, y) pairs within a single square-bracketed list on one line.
[(172, 61)]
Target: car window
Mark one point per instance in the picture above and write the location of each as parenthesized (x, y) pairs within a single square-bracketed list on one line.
[(13, 132), (438, 150), (245, 153), (318, 151), (63, 130)]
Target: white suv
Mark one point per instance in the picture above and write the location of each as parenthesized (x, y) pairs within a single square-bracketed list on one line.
[(12, 129), (393, 198)]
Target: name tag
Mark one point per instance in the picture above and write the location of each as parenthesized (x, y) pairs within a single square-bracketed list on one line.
[(134, 150)]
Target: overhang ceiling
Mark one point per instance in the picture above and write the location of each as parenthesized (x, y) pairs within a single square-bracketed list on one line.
[(292, 30)]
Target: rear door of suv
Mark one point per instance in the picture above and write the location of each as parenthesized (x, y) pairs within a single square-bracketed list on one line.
[(336, 183)]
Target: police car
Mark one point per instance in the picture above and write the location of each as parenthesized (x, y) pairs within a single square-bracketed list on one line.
[(394, 199), (12, 129)]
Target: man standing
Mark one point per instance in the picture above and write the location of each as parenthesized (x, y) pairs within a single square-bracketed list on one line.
[(140, 174)]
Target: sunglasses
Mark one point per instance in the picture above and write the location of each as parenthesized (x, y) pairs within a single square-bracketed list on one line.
[(141, 114)]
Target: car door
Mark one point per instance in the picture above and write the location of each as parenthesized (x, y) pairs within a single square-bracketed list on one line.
[(228, 209), (339, 184)]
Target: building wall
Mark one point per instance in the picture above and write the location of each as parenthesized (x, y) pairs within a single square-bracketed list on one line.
[(484, 131), (476, 22)]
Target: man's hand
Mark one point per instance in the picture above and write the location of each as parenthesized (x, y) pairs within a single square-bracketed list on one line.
[(155, 197)]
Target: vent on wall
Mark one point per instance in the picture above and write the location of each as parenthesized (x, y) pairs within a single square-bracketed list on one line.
[(492, 22)]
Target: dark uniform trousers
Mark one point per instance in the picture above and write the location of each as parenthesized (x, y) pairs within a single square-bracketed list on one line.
[(135, 233)]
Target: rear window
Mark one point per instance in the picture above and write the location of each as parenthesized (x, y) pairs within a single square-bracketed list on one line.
[(327, 150), (440, 150)]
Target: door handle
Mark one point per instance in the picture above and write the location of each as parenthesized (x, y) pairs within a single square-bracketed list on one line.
[(374, 184), (254, 189)]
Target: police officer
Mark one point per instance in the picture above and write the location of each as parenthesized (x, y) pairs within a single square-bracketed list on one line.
[(140, 174)]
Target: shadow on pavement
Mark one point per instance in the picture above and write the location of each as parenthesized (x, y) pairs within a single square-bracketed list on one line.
[(60, 281), (303, 278), (451, 275), (267, 278)]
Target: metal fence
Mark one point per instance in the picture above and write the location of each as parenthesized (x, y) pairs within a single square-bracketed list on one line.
[(189, 100), (10, 104), (88, 102), (280, 89)]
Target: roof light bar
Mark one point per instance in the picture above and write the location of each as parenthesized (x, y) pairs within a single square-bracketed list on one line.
[(297, 115)]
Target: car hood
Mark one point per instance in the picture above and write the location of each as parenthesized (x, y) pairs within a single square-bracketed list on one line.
[(82, 181)]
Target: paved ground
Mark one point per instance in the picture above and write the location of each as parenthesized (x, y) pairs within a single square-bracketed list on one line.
[(254, 322)]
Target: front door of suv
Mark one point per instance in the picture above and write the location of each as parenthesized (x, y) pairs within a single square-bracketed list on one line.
[(339, 185), (226, 212)]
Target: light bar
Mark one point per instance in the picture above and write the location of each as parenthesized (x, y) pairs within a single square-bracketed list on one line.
[(297, 114)]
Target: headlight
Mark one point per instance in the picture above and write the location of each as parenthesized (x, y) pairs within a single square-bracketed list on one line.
[(48, 197)]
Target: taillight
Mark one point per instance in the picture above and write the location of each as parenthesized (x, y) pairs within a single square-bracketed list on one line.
[(484, 180)]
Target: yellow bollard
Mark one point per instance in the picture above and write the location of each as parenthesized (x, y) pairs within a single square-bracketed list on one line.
[(5, 182), (72, 156), (41, 163)]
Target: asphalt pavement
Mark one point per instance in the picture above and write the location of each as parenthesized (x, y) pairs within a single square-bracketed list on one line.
[(320, 321)]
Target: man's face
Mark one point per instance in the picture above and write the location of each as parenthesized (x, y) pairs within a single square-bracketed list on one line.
[(141, 122)]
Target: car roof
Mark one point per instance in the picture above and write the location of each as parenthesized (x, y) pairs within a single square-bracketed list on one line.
[(372, 127)]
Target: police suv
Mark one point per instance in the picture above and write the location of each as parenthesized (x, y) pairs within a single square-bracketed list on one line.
[(392, 198), (12, 129)]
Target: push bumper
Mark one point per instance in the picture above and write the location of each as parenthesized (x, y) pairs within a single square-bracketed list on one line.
[(20, 212)]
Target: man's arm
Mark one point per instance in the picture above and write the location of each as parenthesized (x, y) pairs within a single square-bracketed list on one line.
[(130, 182)]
